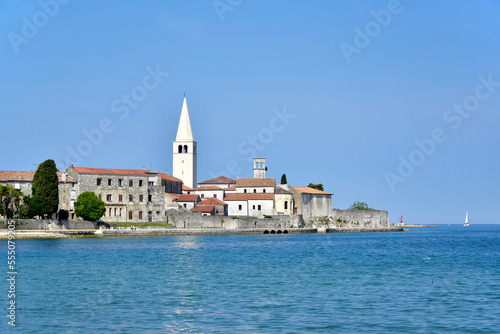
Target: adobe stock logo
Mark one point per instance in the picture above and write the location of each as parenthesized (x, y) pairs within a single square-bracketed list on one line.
[(373, 28), (122, 107), (31, 28), (454, 117)]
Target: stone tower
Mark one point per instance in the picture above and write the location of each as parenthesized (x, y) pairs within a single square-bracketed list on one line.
[(185, 159), (259, 168)]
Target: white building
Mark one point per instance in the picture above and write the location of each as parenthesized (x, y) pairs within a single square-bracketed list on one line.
[(184, 153)]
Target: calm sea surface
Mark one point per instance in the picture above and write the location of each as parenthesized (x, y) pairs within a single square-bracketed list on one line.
[(429, 280)]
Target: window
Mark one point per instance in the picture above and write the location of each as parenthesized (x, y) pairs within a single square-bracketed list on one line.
[(141, 198), (240, 207), (99, 181), (130, 198), (150, 198), (185, 149), (185, 205), (140, 214), (244, 191), (259, 208), (110, 212), (179, 150), (255, 191), (108, 197), (202, 195), (130, 215), (109, 182), (130, 183), (286, 205), (253, 207), (215, 196), (157, 213), (264, 191), (115, 212), (140, 183), (151, 183), (100, 197), (120, 198), (120, 182)]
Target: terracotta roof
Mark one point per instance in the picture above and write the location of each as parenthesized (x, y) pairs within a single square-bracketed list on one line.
[(186, 188), (174, 196), (168, 177), (87, 170), (255, 182), (230, 188), (212, 201), (186, 198), (208, 188), (246, 197), (207, 209), (307, 190), (280, 190), (219, 180), (27, 176)]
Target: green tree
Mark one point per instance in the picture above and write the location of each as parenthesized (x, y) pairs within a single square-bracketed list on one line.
[(46, 185), (36, 207), (11, 201), (318, 186), (89, 206), (283, 179), (359, 206)]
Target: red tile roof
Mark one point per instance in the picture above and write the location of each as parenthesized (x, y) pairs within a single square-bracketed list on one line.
[(87, 170), (186, 188), (27, 176), (168, 177), (230, 188), (187, 198), (219, 180), (312, 191), (208, 188), (246, 197), (255, 182), (174, 196), (212, 201), (206, 209)]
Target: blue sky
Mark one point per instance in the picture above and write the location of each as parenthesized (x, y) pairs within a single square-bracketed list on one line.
[(362, 82)]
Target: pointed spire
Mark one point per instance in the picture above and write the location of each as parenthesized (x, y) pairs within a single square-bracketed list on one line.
[(184, 132)]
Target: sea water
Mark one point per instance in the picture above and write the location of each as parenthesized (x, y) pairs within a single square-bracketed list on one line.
[(428, 280)]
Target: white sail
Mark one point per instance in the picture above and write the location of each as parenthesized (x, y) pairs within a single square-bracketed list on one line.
[(466, 219)]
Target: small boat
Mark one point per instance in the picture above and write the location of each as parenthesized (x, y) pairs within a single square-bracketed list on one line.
[(467, 219), (449, 224)]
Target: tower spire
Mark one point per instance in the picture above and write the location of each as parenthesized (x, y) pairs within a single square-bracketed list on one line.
[(184, 131)]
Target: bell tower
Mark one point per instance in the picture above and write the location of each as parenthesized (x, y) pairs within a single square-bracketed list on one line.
[(259, 168), (184, 153)]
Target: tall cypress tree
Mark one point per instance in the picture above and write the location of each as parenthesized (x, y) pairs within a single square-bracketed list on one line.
[(45, 185), (283, 179)]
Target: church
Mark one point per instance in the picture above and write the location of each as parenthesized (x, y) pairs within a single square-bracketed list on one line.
[(140, 195)]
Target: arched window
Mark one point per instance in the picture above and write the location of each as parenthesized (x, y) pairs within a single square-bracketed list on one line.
[(180, 149), (245, 191), (185, 149), (264, 191), (255, 191), (286, 205), (130, 215), (140, 214)]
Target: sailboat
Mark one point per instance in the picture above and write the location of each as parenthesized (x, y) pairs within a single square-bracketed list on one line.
[(466, 219)]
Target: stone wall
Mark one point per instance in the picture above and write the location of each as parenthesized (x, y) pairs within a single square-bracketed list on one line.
[(350, 219), (48, 224), (184, 219)]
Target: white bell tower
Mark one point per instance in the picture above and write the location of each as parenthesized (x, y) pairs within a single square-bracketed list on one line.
[(185, 155), (259, 168)]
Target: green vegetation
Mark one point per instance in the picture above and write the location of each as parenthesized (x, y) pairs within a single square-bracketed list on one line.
[(89, 206), (45, 185), (268, 217), (235, 217), (359, 206), (283, 179), (318, 186), (13, 204), (36, 207)]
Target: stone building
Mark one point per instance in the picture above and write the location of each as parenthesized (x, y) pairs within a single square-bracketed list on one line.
[(129, 195), (310, 202), (283, 201), (23, 181)]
